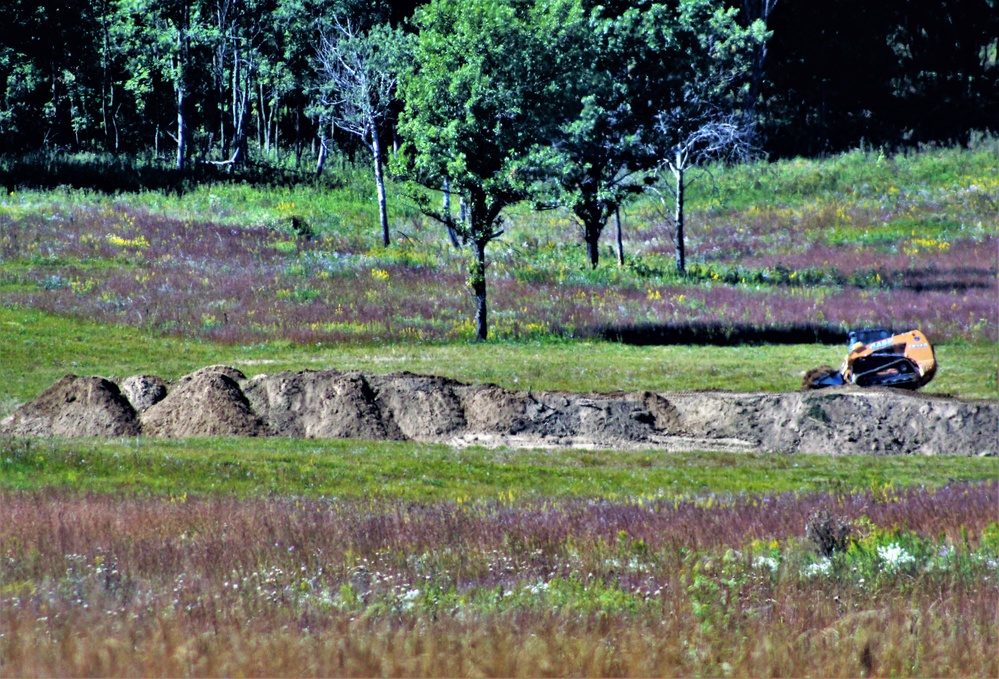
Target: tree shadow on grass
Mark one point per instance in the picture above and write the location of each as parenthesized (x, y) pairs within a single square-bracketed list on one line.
[(123, 174), (717, 334)]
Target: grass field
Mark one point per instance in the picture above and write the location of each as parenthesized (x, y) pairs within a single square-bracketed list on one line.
[(39, 348), (280, 557)]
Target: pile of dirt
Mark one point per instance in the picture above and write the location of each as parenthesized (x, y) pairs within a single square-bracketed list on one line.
[(208, 402), (75, 407), (143, 391), (423, 407), (220, 401), (319, 404), (813, 377)]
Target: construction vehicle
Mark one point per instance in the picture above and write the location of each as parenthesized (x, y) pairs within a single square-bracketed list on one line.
[(878, 358)]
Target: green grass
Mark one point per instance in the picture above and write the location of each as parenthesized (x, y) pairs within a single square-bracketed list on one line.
[(859, 174), (435, 473), (39, 348)]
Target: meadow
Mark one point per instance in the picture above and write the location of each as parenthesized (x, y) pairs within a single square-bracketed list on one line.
[(857, 240), (280, 557), (881, 582)]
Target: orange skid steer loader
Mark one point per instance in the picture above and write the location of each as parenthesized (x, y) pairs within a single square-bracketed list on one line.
[(878, 358)]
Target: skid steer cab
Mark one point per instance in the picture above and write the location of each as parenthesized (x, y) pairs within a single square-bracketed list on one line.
[(879, 358)]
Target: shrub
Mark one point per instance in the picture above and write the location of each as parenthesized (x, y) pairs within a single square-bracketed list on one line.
[(828, 533)]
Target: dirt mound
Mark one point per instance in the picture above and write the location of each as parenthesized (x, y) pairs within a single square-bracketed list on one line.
[(319, 404), (812, 377), (73, 407), (205, 403), (562, 418), (232, 373), (220, 401), (424, 408), (842, 420), (143, 391), (888, 422)]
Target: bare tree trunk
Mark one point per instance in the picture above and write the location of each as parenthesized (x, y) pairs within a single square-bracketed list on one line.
[(463, 218), (107, 87), (758, 10), (620, 239), (323, 149), (275, 121), (376, 150), (114, 122), (478, 283), (181, 126), (681, 260), (265, 123), (591, 234), (181, 88), (321, 160), (241, 83)]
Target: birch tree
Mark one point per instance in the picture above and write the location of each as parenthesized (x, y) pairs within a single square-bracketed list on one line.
[(724, 136), (703, 118), (359, 73)]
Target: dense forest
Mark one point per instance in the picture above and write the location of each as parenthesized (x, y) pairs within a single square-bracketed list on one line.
[(231, 81)]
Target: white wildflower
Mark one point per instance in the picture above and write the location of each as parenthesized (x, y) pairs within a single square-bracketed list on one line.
[(537, 588), (767, 562), (894, 556), (821, 567)]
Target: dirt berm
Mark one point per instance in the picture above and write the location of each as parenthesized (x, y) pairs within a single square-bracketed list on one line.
[(221, 401)]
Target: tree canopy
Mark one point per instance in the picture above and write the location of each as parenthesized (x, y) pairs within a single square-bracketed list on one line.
[(102, 75), (476, 105)]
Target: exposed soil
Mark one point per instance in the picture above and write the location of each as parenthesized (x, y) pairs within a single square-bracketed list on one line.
[(143, 391), (73, 407), (208, 402), (221, 401)]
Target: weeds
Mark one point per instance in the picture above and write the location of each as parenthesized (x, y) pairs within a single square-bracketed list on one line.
[(828, 533), (894, 245), (560, 586)]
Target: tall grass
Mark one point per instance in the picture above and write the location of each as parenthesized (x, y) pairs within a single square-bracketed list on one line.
[(214, 586), (325, 282)]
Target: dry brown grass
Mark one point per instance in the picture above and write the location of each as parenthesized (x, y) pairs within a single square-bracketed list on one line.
[(110, 586)]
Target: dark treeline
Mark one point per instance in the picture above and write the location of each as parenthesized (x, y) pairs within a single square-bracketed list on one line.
[(237, 80), (893, 73)]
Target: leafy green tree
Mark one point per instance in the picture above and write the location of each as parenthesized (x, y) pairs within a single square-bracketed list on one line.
[(640, 81), (161, 40), (601, 146), (359, 73), (477, 103)]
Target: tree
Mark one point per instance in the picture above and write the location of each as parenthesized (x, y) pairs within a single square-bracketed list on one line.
[(237, 37), (359, 73), (757, 12), (722, 136), (476, 105), (702, 120), (599, 149), (160, 38)]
